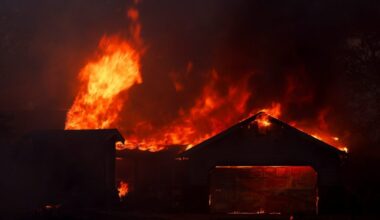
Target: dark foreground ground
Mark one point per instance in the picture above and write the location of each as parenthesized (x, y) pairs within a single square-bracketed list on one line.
[(119, 215)]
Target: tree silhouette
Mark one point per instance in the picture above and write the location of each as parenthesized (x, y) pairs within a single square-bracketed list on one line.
[(362, 83)]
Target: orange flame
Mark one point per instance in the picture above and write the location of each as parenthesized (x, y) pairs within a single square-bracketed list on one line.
[(274, 110), (212, 112), (98, 103), (263, 120), (331, 140), (123, 189), (319, 130), (105, 79)]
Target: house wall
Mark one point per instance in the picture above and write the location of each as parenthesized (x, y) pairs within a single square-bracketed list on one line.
[(72, 169)]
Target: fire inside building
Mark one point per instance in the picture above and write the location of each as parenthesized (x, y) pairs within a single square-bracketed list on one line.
[(260, 165)]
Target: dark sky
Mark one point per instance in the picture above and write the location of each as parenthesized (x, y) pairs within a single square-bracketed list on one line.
[(43, 45)]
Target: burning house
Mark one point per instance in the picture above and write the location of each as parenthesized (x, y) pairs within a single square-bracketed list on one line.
[(143, 105), (286, 170), (260, 165), (263, 165)]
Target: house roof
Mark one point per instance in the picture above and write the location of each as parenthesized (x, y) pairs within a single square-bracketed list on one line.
[(247, 122), (67, 136)]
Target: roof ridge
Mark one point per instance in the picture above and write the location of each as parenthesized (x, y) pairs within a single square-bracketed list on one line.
[(248, 120)]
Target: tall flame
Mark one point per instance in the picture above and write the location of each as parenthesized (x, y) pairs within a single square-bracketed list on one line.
[(105, 80), (98, 102)]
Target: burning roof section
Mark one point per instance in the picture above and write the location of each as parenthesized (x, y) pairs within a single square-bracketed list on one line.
[(264, 124)]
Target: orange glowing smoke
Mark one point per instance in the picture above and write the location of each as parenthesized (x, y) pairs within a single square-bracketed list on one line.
[(123, 189)]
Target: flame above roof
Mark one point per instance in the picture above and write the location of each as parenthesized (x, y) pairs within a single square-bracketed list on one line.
[(271, 123)]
